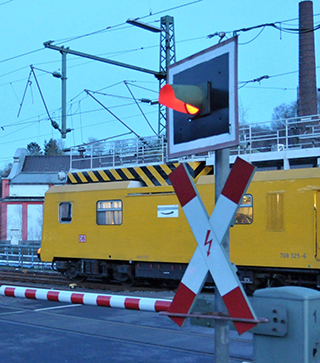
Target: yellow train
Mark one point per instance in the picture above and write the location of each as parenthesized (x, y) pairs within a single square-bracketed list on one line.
[(126, 231)]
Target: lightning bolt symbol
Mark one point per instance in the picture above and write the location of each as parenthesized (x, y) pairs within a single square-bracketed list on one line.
[(206, 242)]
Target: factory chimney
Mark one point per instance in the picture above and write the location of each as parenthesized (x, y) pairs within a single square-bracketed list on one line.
[(307, 103)]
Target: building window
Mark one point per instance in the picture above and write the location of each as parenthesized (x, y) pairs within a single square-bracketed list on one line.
[(275, 212), (109, 212), (65, 212), (245, 212)]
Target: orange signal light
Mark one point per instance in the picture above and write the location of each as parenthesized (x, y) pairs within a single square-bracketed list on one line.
[(191, 110), (169, 98)]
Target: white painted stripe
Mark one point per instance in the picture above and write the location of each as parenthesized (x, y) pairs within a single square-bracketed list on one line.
[(19, 292), (58, 307), (147, 304), (65, 296), (117, 301), (222, 216), (197, 218), (90, 299), (196, 272), (42, 294)]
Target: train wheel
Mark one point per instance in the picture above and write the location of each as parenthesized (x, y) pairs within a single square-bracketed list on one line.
[(73, 271), (123, 274)]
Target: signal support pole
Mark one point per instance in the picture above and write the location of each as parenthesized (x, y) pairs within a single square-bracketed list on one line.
[(167, 57), (64, 95), (221, 328)]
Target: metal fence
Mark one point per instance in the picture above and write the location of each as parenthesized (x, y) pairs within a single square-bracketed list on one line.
[(21, 256), (110, 154), (260, 137), (279, 135)]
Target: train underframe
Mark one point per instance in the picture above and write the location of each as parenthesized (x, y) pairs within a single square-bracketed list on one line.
[(121, 271), (129, 272)]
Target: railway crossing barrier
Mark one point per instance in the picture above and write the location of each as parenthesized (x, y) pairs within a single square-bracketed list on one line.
[(112, 301)]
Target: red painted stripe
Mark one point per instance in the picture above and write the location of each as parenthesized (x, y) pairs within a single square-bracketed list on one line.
[(77, 298), (9, 291), (238, 179), (238, 308), (131, 303), (181, 303), (30, 293), (103, 301), (182, 185), (53, 296), (161, 305)]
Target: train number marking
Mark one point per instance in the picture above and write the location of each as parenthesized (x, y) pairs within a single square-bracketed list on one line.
[(296, 256)]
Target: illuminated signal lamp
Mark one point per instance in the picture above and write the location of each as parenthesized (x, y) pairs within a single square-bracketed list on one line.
[(189, 99)]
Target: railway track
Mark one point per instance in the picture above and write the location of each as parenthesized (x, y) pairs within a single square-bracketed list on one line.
[(55, 280), (31, 277)]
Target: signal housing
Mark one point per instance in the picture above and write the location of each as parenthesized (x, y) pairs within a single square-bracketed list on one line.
[(193, 100)]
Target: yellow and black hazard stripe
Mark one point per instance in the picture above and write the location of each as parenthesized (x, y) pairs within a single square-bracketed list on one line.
[(150, 175)]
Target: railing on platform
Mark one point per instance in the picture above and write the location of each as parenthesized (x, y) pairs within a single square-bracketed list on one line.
[(21, 256), (279, 135), (111, 154)]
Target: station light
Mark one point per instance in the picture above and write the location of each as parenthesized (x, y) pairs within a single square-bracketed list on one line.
[(193, 100)]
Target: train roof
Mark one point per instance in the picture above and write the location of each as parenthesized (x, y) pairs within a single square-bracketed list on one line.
[(271, 175)]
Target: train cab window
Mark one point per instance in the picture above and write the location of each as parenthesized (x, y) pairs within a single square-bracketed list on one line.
[(245, 212), (65, 212), (109, 212)]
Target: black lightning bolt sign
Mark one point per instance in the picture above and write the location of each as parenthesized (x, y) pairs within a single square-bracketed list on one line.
[(206, 242)]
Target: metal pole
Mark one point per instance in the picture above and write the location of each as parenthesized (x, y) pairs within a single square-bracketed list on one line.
[(167, 57), (221, 336), (64, 95), (100, 59)]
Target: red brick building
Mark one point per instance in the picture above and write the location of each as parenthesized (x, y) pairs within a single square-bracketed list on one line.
[(23, 191)]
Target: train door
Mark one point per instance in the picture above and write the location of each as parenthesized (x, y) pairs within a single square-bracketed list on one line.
[(317, 224)]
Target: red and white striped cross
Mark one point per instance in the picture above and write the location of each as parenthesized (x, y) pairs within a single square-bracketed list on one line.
[(209, 233)]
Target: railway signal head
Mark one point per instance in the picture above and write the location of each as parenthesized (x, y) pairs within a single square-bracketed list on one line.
[(193, 100), (201, 100)]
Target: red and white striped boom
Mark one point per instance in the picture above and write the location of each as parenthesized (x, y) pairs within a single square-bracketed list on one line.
[(86, 298)]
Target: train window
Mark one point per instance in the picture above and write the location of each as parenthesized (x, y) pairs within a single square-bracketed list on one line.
[(65, 212), (275, 211), (245, 211), (109, 212)]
